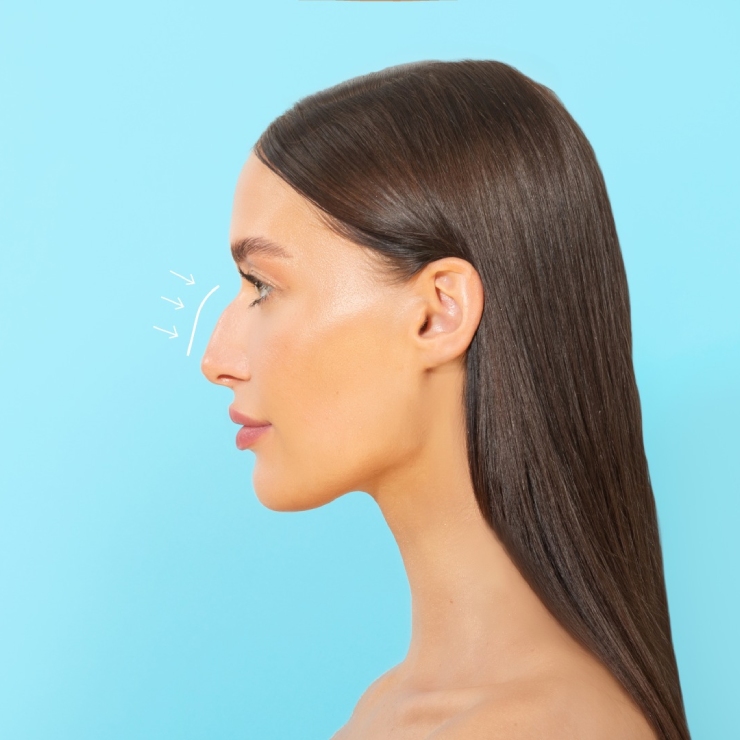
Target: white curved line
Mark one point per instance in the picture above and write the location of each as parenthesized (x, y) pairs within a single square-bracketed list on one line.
[(197, 313)]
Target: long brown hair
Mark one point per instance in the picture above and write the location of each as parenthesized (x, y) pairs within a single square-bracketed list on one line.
[(475, 160)]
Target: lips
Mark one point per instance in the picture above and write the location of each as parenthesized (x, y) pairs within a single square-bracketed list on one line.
[(251, 429)]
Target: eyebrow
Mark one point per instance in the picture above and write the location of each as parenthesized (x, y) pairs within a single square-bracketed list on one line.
[(250, 245)]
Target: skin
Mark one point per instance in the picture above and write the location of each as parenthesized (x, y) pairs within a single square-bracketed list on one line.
[(362, 383)]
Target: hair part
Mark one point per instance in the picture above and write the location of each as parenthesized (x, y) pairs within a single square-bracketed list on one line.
[(473, 159)]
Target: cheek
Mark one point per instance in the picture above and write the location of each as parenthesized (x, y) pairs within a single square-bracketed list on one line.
[(341, 402)]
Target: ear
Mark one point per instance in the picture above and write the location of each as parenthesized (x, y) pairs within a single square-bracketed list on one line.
[(450, 294)]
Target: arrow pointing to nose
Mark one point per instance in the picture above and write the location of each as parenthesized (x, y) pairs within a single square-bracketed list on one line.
[(178, 303), (173, 335), (188, 281)]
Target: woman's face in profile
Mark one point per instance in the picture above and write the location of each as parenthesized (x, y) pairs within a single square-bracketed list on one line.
[(325, 356)]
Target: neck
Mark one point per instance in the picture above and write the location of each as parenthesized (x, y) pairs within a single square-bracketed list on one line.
[(475, 621)]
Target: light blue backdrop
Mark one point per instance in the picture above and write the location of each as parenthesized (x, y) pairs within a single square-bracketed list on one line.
[(144, 591)]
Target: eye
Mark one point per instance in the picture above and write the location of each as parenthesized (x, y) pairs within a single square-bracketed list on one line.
[(259, 284)]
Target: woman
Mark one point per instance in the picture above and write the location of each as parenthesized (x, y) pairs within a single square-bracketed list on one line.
[(435, 311)]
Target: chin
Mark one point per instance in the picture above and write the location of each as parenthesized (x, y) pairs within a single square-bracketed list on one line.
[(293, 498), (285, 503)]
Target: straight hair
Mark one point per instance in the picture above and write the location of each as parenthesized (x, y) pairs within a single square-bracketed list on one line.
[(475, 160)]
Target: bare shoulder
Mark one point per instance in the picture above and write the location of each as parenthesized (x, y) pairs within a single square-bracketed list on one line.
[(377, 691), (372, 700), (550, 709)]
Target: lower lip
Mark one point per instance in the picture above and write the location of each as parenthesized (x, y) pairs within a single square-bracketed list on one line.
[(248, 435)]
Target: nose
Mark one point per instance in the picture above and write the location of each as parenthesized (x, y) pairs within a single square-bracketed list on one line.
[(224, 361)]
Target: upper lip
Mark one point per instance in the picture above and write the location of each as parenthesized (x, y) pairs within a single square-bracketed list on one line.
[(245, 420)]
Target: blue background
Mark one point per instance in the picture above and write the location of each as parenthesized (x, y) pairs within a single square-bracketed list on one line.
[(144, 591)]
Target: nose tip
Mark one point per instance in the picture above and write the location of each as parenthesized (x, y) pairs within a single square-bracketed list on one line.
[(216, 367), (207, 366)]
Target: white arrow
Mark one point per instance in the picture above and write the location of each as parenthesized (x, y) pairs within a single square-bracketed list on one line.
[(172, 335), (188, 281), (178, 303)]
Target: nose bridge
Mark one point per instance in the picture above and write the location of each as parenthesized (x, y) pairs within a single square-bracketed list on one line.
[(224, 357)]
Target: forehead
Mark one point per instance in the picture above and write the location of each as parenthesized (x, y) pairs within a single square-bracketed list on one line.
[(267, 210)]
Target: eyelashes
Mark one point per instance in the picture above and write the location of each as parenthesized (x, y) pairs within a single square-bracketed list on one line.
[(259, 284)]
